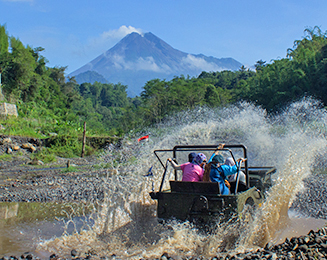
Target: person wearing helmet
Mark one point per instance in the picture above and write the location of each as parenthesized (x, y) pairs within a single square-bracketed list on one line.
[(219, 172), (192, 171), (233, 177), (200, 159), (191, 157)]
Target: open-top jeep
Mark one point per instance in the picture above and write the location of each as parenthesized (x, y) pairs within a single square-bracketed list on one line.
[(202, 201)]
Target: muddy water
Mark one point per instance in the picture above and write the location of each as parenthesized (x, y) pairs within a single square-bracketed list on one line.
[(125, 225), (295, 226), (21, 234), (24, 226)]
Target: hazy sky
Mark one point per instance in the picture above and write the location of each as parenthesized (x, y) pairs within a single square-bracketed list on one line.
[(75, 32)]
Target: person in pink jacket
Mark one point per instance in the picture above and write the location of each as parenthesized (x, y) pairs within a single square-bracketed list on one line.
[(192, 171)]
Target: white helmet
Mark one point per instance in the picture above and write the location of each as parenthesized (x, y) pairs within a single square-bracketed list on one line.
[(229, 161), (241, 177)]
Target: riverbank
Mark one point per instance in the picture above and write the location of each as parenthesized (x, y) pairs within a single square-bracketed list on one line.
[(65, 180)]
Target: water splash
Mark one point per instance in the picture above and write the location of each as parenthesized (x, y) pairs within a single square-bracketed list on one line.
[(126, 225)]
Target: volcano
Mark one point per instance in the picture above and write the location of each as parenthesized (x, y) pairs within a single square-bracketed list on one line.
[(137, 58)]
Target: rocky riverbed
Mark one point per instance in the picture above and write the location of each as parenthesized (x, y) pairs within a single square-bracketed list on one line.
[(66, 180), (83, 180)]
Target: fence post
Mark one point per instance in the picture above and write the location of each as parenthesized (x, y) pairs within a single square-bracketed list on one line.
[(84, 140)]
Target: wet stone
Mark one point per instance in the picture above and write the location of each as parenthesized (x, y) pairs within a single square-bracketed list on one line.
[(54, 257), (27, 256), (269, 245), (306, 239), (273, 256), (303, 248), (73, 253)]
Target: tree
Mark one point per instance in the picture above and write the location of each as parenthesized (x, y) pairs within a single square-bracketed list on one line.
[(211, 96), (259, 65), (154, 100), (4, 40)]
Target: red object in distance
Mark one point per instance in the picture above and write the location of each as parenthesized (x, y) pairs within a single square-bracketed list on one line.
[(143, 137)]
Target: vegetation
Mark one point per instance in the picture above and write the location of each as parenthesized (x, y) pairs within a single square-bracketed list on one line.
[(49, 103)]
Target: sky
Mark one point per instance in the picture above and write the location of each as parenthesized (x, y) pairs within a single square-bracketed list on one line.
[(75, 32)]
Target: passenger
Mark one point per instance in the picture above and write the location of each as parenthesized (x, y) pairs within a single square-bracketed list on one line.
[(232, 178), (206, 175), (220, 171), (229, 161), (200, 160), (191, 157), (192, 171)]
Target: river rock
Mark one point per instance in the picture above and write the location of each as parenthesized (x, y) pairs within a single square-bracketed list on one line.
[(6, 140), (29, 146), (73, 253), (36, 162), (15, 148)]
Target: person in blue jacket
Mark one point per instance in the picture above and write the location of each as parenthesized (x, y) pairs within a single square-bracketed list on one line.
[(219, 172)]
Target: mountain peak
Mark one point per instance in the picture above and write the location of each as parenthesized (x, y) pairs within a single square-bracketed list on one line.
[(133, 35)]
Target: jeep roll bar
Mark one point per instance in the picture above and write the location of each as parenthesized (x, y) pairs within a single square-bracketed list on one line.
[(192, 148)]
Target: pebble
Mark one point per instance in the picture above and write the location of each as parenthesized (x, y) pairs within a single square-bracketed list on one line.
[(59, 188)]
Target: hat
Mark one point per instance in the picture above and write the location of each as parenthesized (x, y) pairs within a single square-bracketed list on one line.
[(191, 156), (200, 157), (229, 161), (218, 158)]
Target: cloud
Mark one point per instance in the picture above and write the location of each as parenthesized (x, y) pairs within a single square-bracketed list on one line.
[(147, 64), (196, 63), (120, 33)]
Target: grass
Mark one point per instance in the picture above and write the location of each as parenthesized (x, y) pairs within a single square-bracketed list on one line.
[(6, 157), (71, 169), (102, 166), (45, 156), (9, 157), (38, 122), (64, 137)]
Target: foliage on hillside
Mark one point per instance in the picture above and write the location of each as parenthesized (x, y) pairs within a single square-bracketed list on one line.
[(49, 103)]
